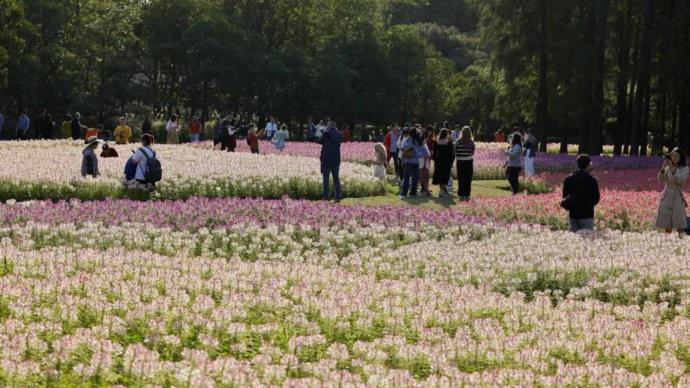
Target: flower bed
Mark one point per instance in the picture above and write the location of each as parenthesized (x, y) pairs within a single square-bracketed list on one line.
[(200, 212), (50, 170), (344, 304)]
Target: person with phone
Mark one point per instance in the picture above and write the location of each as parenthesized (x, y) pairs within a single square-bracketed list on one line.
[(581, 195), (672, 206)]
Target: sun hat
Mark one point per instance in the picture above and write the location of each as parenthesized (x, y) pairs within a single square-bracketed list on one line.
[(91, 140)]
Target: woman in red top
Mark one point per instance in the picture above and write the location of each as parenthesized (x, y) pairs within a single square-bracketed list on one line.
[(346, 134), (253, 139), (195, 129)]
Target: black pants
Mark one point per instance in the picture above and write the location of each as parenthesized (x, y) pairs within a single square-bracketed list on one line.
[(399, 169), (465, 172), (513, 174)]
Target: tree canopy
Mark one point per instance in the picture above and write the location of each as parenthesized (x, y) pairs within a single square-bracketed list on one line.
[(590, 71)]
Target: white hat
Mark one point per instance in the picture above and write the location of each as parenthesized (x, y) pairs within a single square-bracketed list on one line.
[(91, 140)]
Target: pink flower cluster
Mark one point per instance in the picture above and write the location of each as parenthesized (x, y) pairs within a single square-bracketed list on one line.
[(223, 212), (618, 209)]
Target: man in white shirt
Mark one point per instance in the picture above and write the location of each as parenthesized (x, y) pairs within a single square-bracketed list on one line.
[(141, 156), (271, 128)]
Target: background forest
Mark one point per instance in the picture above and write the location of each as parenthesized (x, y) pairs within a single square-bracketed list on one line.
[(583, 71)]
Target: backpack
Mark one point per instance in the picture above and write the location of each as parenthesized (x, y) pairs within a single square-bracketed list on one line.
[(154, 172)]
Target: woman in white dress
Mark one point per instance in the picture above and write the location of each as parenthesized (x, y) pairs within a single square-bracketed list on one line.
[(674, 173), (172, 127)]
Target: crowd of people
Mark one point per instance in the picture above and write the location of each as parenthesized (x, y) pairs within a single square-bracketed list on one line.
[(414, 148), (415, 151)]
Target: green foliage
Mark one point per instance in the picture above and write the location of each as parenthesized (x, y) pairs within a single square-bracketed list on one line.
[(297, 188)]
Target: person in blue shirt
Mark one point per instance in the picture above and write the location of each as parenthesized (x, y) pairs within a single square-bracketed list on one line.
[(280, 137), (23, 124), (330, 160), (412, 150)]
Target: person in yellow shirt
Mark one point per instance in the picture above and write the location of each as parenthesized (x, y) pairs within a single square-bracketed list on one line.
[(66, 127), (123, 132)]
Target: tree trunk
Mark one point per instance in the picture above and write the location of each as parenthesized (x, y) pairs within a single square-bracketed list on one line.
[(639, 129), (564, 135), (597, 121), (543, 98), (647, 62), (684, 118), (589, 39), (622, 82)]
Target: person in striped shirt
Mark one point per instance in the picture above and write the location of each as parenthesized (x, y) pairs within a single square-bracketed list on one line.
[(464, 160)]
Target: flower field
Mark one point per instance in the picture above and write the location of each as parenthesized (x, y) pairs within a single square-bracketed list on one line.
[(489, 157), (298, 304), (228, 280), (187, 172)]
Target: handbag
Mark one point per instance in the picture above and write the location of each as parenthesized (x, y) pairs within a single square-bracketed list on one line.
[(408, 153)]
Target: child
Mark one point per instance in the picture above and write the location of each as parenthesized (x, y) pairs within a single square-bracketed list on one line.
[(108, 152), (280, 137), (381, 161)]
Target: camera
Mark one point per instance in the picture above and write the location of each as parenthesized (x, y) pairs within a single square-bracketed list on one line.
[(667, 157)]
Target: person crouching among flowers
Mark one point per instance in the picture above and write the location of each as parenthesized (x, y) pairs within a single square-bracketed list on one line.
[(381, 161)]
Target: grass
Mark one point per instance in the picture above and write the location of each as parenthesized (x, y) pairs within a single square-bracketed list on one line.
[(496, 188)]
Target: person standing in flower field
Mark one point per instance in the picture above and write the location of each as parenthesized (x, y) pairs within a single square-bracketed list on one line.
[(674, 173), (66, 127), (393, 150), (23, 124), (77, 128), (443, 162), (514, 162), (146, 126), (464, 159), (331, 139), (413, 148), (172, 127), (43, 125), (253, 139), (424, 161), (89, 161), (280, 138), (580, 195), (195, 129), (530, 153), (123, 132), (271, 128)]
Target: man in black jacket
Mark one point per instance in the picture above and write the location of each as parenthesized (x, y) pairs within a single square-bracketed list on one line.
[(580, 195)]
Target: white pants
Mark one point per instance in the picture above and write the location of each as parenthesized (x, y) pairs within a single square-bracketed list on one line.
[(529, 167)]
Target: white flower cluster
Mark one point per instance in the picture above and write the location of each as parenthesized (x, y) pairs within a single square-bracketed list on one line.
[(191, 171), (342, 305)]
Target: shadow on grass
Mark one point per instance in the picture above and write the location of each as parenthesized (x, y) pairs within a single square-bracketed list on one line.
[(428, 200)]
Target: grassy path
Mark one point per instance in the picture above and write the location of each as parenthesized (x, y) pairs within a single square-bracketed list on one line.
[(498, 188)]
